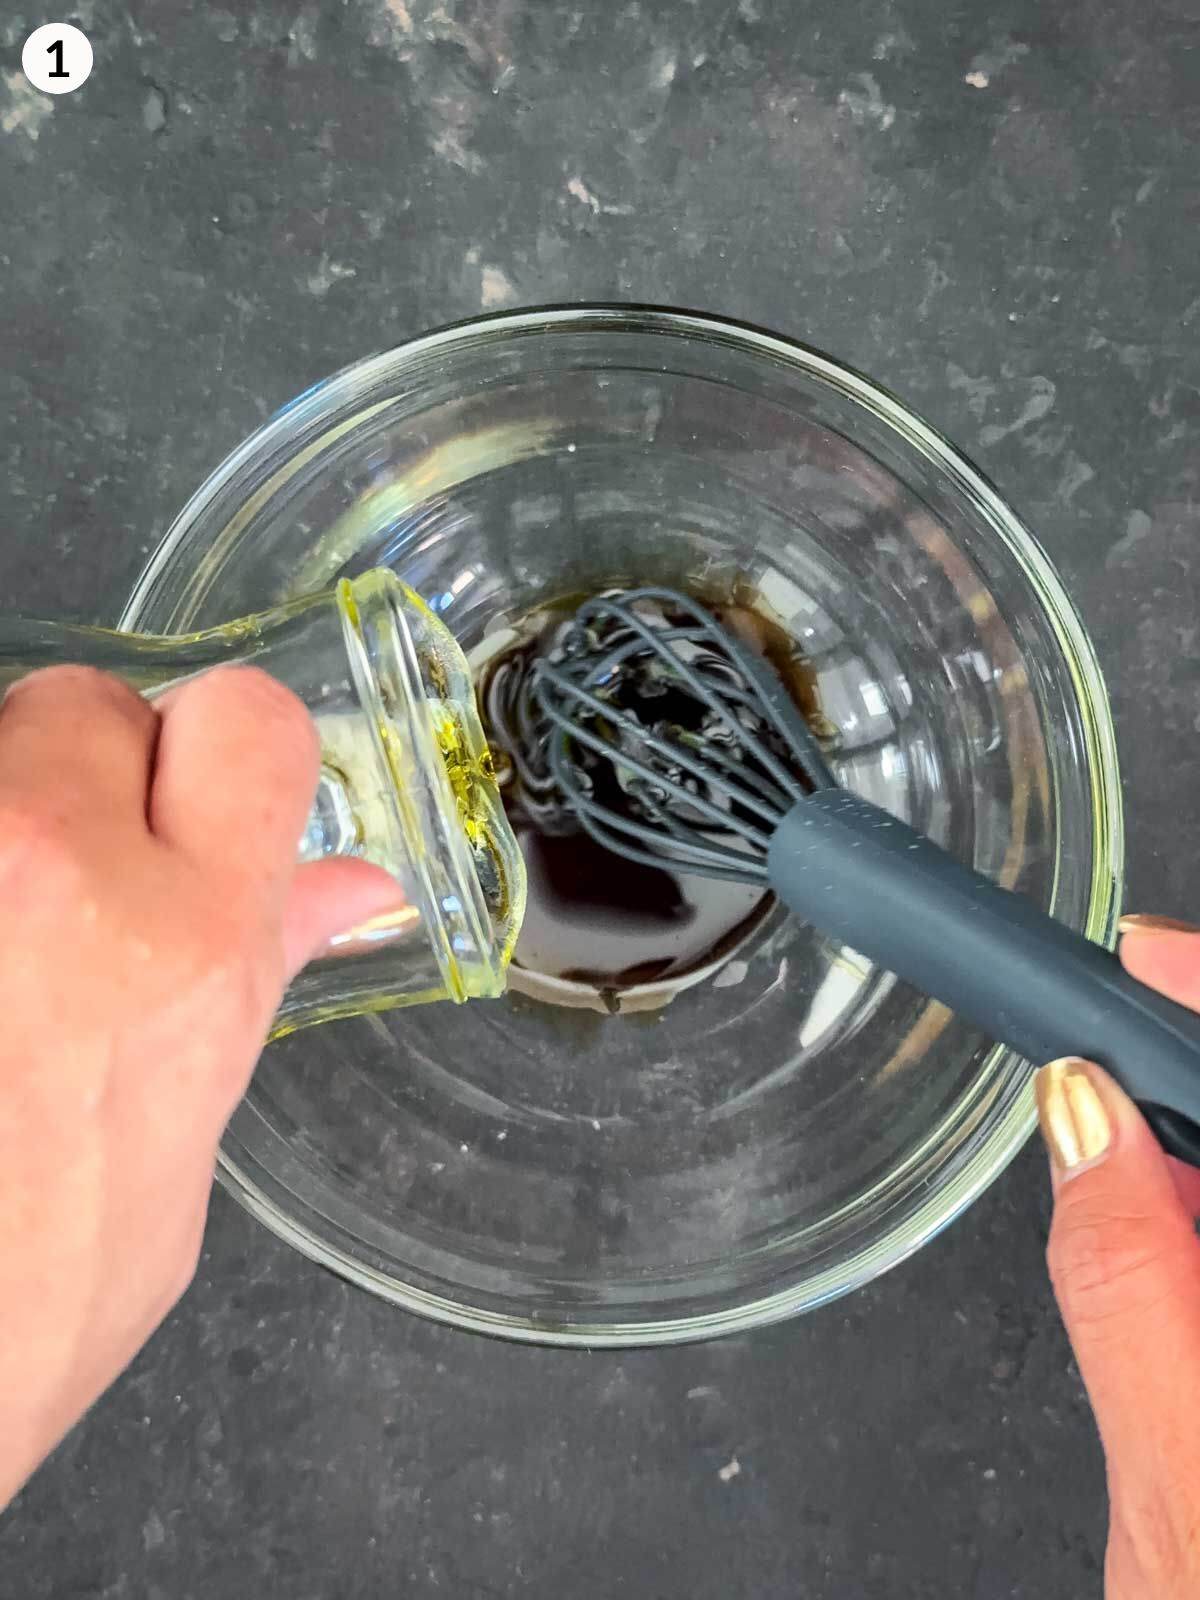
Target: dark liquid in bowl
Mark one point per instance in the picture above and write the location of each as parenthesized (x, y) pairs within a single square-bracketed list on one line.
[(593, 918)]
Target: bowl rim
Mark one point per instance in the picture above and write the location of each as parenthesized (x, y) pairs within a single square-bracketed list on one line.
[(905, 1235)]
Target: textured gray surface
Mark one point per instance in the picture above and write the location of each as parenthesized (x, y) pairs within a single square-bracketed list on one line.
[(992, 209)]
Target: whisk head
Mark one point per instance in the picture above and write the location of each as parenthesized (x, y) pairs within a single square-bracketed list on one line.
[(669, 741)]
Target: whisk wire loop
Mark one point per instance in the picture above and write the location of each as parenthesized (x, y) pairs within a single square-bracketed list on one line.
[(768, 693), (654, 776), (701, 787)]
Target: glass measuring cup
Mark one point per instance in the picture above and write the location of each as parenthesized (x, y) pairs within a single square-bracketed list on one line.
[(406, 779)]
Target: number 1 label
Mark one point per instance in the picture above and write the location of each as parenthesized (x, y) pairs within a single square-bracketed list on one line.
[(57, 58)]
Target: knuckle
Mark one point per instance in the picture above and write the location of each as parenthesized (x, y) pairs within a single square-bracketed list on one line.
[(76, 680), (1107, 1268), (272, 706), (260, 718), (66, 675)]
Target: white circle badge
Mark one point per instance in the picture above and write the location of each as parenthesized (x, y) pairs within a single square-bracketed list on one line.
[(57, 58)]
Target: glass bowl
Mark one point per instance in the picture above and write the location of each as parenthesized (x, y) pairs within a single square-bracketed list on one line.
[(792, 1122)]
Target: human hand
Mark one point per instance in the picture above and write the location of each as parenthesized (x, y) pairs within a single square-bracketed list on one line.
[(153, 913), (1125, 1262)]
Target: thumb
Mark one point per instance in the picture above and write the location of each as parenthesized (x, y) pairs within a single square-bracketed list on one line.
[(334, 899), (1125, 1263)]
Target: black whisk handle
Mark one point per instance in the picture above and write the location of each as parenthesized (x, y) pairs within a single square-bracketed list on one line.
[(869, 880)]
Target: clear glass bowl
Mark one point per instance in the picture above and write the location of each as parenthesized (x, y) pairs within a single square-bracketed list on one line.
[(795, 1121)]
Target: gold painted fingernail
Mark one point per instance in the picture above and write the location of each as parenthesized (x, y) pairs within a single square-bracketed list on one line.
[(1135, 923), (1074, 1120)]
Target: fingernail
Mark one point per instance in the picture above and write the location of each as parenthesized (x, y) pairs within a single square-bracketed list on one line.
[(1075, 1123), (374, 931), (1136, 923)]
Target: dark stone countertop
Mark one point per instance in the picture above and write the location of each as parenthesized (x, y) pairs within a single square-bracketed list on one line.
[(990, 208)]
